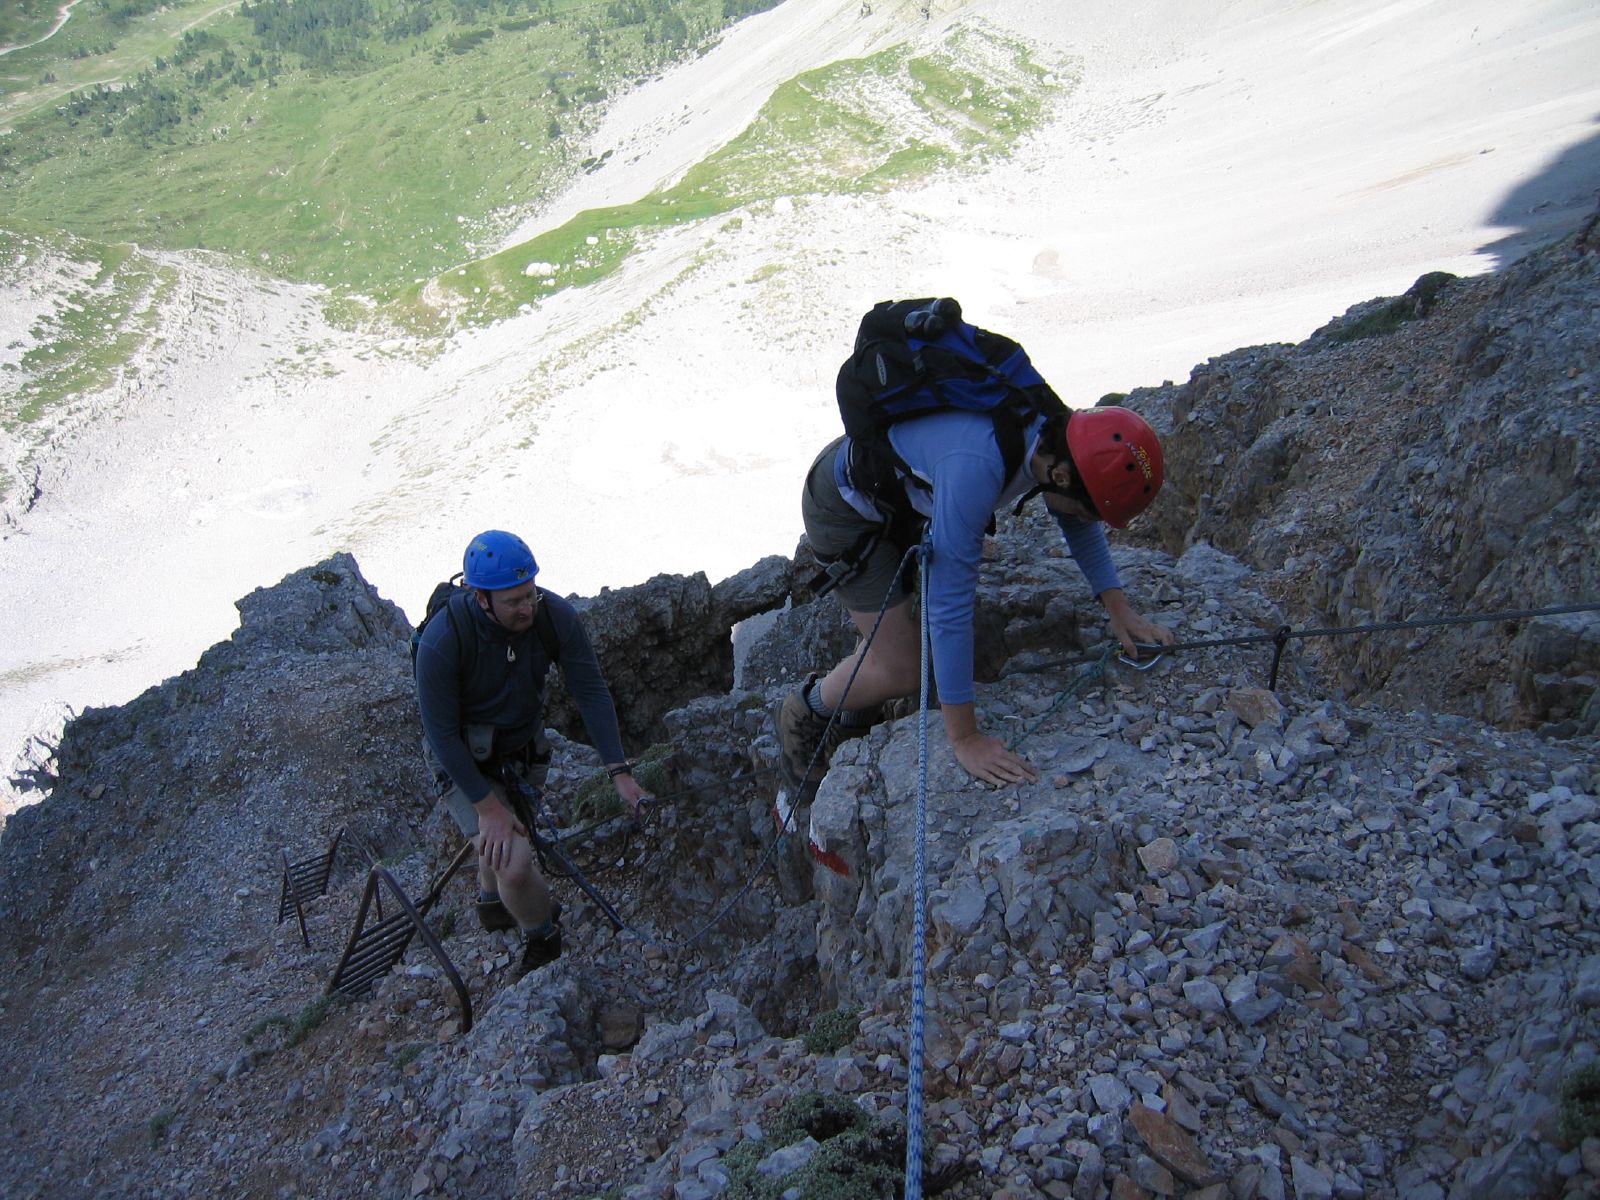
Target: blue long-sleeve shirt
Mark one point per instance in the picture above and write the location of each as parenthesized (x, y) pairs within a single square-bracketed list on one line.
[(506, 686), (958, 485)]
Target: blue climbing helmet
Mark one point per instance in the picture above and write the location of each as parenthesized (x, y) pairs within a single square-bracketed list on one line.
[(496, 560)]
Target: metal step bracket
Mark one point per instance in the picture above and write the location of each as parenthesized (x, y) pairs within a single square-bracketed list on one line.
[(305, 881), (374, 950)]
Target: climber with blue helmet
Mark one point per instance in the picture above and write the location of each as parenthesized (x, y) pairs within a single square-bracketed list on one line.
[(480, 688)]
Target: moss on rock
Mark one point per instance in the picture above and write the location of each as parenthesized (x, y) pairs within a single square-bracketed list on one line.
[(859, 1158), (1580, 1104), (597, 798), (832, 1031)]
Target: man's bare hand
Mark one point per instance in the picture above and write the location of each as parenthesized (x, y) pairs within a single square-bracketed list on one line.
[(497, 829), (1139, 630), (632, 795), (988, 759), (1132, 628)]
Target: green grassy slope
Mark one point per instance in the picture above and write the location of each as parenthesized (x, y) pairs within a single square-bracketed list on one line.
[(22, 21), (363, 156), (381, 152), (102, 308), (855, 126)]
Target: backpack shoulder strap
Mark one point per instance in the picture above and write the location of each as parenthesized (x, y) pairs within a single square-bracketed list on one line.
[(545, 626), (466, 643)]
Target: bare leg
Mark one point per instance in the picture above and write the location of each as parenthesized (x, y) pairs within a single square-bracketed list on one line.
[(892, 664), (522, 888)]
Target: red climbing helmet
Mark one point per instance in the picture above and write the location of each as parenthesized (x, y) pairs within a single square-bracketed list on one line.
[(1118, 457)]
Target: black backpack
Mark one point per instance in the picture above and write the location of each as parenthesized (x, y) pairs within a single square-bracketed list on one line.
[(467, 645), (915, 357)]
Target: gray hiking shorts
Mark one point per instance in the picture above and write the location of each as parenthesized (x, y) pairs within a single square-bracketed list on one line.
[(835, 528), (455, 800)]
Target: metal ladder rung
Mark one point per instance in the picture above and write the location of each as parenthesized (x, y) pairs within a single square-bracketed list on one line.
[(358, 983), (373, 951), (392, 950), (304, 881)]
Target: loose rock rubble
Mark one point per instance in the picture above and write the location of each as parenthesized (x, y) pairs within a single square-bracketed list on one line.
[(1295, 936)]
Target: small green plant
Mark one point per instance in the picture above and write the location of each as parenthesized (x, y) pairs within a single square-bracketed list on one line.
[(300, 1026), (833, 1031), (311, 1016), (597, 797), (407, 1054), (860, 1158), (156, 1129), (1589, 718), (1388, 316), (259, 1029), (1580, 1104)]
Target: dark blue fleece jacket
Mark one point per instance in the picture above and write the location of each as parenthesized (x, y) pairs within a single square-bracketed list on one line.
[(506, 686)]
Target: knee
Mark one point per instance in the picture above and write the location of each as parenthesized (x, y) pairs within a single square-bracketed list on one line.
[(522, 870)]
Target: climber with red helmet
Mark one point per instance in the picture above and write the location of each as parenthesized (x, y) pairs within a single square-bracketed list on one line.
[(481, 662), (1095, 467)]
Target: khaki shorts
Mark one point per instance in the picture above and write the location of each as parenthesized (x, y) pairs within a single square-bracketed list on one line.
[(834, 528), (455, 801)]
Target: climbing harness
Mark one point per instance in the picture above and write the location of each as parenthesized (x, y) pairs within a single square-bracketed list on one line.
[(902, 527)]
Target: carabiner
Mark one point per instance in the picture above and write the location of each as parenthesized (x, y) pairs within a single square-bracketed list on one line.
[(1142, 664)]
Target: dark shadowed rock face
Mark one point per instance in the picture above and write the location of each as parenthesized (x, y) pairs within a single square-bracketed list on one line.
[(668, 640)]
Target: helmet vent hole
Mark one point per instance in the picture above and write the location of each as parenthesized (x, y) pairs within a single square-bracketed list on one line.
[(1127, 466), (1116, 437)]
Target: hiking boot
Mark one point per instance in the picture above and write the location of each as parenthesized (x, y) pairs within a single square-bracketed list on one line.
[(543, 947), (494, 916), (541, 951), (806, 743), (799, 739)]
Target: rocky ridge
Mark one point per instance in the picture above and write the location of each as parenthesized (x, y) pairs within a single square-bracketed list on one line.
[(1446, 466), (1316, 942)]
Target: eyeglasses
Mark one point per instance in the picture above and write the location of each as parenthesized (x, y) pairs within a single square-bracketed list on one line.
[(530, 601)]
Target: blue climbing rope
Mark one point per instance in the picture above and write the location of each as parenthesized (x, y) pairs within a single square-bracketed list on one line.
[(919, 918)]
